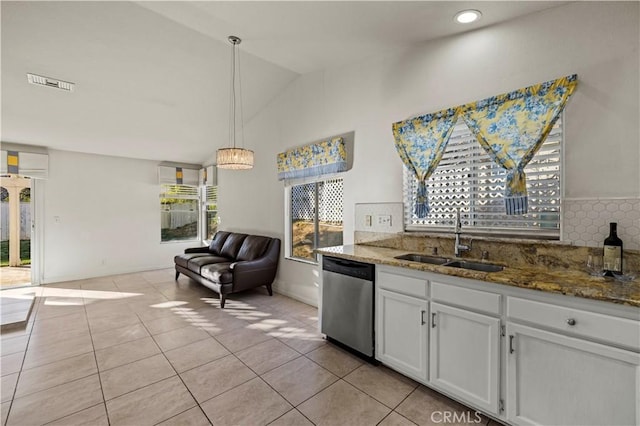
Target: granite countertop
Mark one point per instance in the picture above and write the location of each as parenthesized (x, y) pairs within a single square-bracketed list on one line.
[(568, 282)]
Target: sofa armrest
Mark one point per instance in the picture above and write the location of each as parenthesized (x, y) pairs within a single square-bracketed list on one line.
[(197, 250), (254, 273)]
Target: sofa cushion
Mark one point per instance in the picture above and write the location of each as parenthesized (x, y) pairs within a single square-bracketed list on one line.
[(183, 259), (218, 241), (218, 272), (253, 247), (197, 263), (232, 245)]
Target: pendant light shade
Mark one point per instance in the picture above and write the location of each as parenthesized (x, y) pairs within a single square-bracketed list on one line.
[(234, 158)]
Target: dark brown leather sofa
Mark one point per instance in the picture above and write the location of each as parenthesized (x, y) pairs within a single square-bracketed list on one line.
[(233, 262)]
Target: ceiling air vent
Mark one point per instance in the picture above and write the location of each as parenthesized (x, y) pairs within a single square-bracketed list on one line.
[(50, 82)]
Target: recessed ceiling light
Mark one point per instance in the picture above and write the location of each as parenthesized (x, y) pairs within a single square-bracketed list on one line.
[(467, 16)]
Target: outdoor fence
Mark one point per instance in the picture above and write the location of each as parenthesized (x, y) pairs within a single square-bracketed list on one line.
[(25, 221)]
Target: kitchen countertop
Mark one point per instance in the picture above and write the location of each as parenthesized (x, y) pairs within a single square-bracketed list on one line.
[(568, 282)]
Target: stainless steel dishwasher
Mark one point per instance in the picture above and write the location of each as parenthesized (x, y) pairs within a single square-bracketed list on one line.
[(347, 303)]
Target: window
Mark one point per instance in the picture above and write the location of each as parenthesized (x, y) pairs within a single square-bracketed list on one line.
[(315, 217), (179, 212), (467, 178), (209, 211)]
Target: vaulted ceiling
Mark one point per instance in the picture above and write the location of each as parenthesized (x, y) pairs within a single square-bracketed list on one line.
[(152, 78)]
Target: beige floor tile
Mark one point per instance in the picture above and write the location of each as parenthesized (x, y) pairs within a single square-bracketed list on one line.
[(56, 373), (10, 364), (231, 408), (166, 323), (180, 337), (423, 402), (195, 354), (8, 386), (101, 323), (14, 345), (242, 338), (115, 356), (147, 313), (341, 403), (55, 403), (302, 339), (119, 335), (55, 308), (383, 384), (40, 340), (101, 308), (299, 379), (191, 417), (93, 416), (129, 377), (395, 419), (216, 377), (159, 276), (222, 323), (150, 405), (334, 359), (45, 354), (13, 333), (267, 355), (4, 411), (71, 322), (292, 418)]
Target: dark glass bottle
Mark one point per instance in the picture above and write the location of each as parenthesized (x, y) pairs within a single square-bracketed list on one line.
[(612, 259)]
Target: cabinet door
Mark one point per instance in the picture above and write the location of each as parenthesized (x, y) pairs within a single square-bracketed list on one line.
[(401, 335), (464, 355), (560, 380)]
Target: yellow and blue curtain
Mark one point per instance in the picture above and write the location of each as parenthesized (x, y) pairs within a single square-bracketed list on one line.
[(322, 158), (421, 142), (511, 128)]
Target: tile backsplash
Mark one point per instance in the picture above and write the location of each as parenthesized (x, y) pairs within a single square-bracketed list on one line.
[(586, 221)]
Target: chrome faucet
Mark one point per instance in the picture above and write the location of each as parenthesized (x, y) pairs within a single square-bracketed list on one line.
[(459, 248)]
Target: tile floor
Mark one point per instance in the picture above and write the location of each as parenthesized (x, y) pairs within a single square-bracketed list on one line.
[(142, 349)]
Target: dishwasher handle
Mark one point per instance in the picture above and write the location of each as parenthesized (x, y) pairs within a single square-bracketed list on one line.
[(351, 268)]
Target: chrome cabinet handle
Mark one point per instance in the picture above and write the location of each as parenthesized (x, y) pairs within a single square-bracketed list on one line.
[(571, 322), (433, 320), (511, 350), (422, 321)]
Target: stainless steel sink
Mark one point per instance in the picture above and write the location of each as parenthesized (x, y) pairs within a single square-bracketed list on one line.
[(432, 260), (475, 266)]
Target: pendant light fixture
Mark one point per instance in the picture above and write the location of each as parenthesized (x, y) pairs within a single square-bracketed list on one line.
[(235, 158)]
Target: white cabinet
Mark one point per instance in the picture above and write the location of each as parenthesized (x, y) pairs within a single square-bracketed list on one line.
[(464, 355), (558, 379), (401, 336)]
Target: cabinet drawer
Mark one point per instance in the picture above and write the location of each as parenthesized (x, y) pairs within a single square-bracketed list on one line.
[(403, 284), (465, 297), (620, 331)]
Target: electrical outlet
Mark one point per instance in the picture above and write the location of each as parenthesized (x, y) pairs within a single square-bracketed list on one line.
[(384, 220), (368, 220)]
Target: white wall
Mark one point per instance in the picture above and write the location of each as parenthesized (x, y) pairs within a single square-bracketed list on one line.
[(109, 217), (597, 40)]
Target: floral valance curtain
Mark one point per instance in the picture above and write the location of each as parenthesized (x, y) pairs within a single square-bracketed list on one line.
[(420, 142), (512, 127), (509, 127), (313, 160)]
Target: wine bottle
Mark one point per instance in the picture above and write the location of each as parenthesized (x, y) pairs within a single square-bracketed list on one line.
[(612, 259)]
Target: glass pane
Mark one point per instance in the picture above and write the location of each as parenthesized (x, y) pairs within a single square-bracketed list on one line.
[(303, 232), (330, 213), (211, 222), (179, 219)]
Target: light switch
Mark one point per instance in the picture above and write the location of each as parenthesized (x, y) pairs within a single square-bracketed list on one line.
[(368, 220)]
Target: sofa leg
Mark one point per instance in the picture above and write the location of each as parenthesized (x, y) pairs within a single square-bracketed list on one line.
[(269, 289), (222, 300), (177, 275)]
